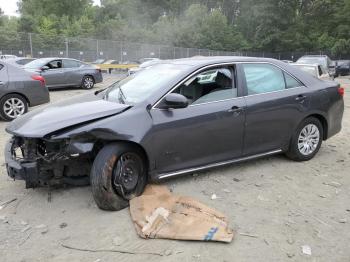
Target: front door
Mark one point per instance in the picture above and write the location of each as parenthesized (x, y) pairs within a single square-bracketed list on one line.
[(209, 130), (54, 75)]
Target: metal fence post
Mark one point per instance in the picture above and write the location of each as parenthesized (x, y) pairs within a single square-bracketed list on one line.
[(31, 44), (121, 52), (66, 42), (97, 48)]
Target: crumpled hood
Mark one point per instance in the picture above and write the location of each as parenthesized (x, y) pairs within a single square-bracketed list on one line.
[(57, 116)]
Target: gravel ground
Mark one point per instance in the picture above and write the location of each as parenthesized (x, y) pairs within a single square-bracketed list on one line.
[(276, 206)]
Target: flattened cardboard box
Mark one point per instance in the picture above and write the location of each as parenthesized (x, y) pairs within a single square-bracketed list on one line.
[(160, 214)]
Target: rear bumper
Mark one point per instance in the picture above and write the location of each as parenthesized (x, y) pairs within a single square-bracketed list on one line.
[(98, 78)]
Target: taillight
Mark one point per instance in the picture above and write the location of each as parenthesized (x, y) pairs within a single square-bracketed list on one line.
[(39, 78), (341, 91)]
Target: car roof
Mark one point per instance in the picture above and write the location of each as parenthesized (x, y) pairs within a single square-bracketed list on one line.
[(301, 64), (207, 60)]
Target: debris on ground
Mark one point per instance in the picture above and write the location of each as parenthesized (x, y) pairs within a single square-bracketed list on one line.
[(343, 220), (227, 190), (112, 251), (159, 214), (26, 229), (333, 184), (306, 250), (3, 205), (248, 235), (213, 197), (63, 225)]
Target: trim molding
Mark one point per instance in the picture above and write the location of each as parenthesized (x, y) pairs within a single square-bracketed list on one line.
[(218, 164)]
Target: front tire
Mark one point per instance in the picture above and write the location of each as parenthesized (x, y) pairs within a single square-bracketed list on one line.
[(12, 106), (88, 82), (118, 174), (306, 140)]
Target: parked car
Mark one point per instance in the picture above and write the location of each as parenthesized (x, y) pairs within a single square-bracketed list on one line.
[(99, 61), (342, 68), (111, 62), (18, 90), (322, 60), (65, 72), (315, 70), (176, 117), (2, 57), (144, 65), (287, 61), (20, 61)]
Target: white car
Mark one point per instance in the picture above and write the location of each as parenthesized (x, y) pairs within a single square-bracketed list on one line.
[(149, 62), (316, 70), (7, 56)]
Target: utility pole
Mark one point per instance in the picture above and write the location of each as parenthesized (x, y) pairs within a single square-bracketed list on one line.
[(66, 42), (31, 44)]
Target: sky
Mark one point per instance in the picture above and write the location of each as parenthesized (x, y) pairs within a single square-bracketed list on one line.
[(10, 6)]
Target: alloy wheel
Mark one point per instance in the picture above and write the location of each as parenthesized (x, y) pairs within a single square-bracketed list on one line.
[(14, 107), (309, 139), (88, 82)]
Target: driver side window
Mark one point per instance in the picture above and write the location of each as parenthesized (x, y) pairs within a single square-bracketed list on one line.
[(209, 86), (56, 64)]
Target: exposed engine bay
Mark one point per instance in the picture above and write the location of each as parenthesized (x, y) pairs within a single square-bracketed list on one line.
[(43, 162)]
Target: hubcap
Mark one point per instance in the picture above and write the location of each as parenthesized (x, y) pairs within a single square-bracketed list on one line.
[(309, 139), (14, 107), (88, 83), (126, 173)]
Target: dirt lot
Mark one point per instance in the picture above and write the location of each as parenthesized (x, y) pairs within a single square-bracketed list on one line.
[(275, 205)]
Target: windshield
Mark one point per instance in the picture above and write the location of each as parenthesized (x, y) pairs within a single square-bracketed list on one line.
[(308, 69), (313, 60), (35, 64), (138, 87)]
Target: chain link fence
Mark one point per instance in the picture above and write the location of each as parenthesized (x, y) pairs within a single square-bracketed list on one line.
[(38, 45)]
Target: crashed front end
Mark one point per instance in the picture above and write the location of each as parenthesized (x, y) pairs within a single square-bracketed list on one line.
[(44, 162)]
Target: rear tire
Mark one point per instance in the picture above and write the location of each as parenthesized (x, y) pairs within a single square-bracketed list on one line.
[(118, 174), (306, 140), (88, 82), (12, 106)]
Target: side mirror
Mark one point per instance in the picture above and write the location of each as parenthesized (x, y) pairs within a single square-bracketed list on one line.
[(44, 68), (174, 101)]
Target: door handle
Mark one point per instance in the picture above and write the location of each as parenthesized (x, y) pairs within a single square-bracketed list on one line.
[(235, 109), (1, 83), (300, 98)]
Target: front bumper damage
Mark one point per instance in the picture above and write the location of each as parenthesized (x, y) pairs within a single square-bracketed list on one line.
[(42, 162)]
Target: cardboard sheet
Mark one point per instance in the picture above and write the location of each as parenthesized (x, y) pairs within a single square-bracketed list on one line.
[(160, 214)]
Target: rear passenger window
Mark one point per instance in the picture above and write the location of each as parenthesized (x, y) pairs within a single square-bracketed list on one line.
[(291, 82), (263, 78), (71, 63), (1, 66)]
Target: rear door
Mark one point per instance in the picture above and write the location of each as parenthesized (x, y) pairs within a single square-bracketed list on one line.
[(72, 72), (3, 77), (209, 130), (276, 102), (54, 76)]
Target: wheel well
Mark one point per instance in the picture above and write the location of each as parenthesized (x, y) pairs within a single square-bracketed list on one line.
[(324, 123), (19, 94), (100, 144)]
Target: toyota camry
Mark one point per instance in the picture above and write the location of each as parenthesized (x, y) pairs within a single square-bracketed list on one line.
[(173, 118)]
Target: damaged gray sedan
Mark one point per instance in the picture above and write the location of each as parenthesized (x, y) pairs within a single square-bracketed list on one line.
[(173, 118)]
